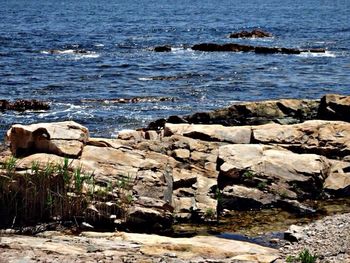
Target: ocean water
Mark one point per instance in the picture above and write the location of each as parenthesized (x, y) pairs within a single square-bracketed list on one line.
[(116, 38)]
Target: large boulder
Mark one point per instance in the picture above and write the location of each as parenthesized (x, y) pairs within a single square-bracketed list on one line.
[(272, 170), (60, 138), (145, 177)]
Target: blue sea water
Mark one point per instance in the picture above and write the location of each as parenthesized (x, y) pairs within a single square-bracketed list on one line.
[(117, 37)]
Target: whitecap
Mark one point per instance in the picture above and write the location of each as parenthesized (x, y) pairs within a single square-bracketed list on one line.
[(99, 45), (317, 54), (145, 79)]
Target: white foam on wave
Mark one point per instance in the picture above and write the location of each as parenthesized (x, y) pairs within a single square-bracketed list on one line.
[(76, 54), (316, 54), (99, 45), (145, 79)]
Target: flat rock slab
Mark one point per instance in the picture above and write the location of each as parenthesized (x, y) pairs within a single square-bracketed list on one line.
[(127, 247), (210, 132)]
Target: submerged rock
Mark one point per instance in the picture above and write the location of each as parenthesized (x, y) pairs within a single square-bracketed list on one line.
[(256, 33), (23, 105), (212, 47), (162, 49)]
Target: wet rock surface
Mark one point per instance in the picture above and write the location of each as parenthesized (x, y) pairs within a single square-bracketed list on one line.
[(23, 105), (255, 33), (231, 47)]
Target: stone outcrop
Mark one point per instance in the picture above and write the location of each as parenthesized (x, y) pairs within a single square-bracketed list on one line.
[(328, 138), (256, 33), (189, 171), (276, 172), (212, 47), (284, 111), (60, 138)]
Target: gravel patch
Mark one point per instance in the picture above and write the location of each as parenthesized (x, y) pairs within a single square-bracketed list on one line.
[(328, 238)]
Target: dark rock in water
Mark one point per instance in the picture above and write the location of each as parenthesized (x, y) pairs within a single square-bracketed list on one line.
[(162, 49), (335, 107), (254, 113), (273, 50), (256, 33), (211, 47), (22, 105)]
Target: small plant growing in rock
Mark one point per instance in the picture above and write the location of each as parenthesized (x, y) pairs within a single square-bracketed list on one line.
[(10, 165), (248, 175), (209, 214), (261, 185), (304, 257)]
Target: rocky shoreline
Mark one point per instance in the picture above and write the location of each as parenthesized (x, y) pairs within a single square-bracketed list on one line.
[(249, 156)]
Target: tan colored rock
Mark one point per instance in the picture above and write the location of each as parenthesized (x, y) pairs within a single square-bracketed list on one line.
[(60, 138), (331, 138), (207, 247), (130, 135), (181, 154), (104, 142), (237, 197), (42, 159), (183, 178), (130, 247), (210, 132), (268, 164), (338, 181), (151, 135)]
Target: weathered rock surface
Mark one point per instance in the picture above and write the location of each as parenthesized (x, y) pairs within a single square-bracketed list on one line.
[(127, 247), (211, 47), (328, 138), (278, 174), (256, 33), (285, 111), (210, 132), (192, 171), (60, 138)]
